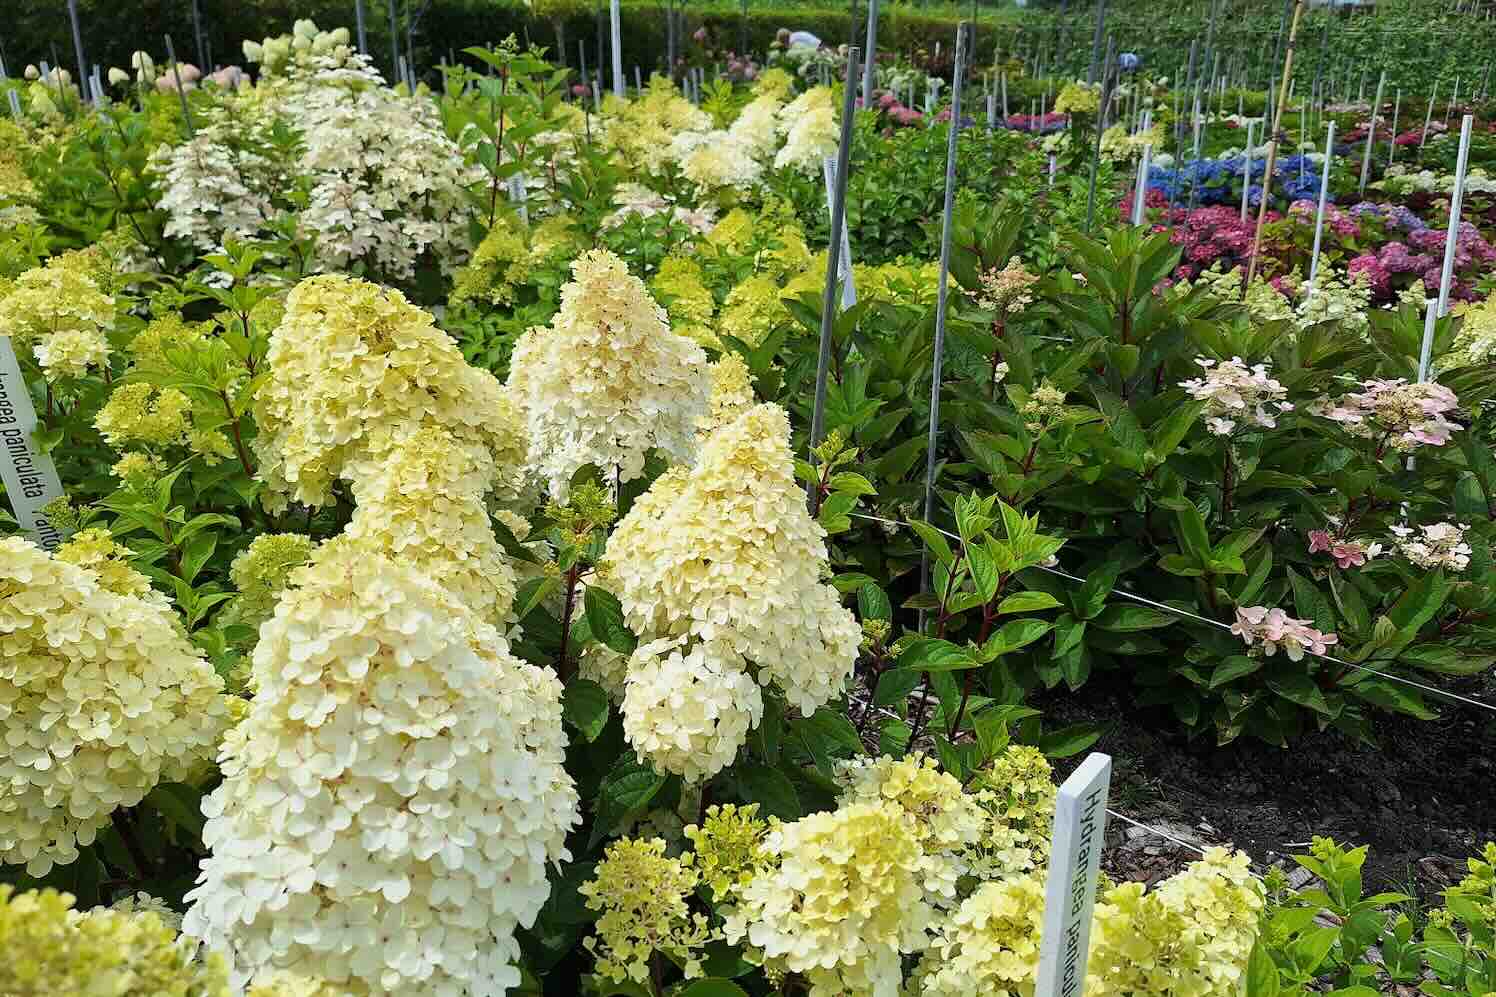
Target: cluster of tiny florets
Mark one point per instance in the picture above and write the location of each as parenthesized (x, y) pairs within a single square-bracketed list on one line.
[(642, 895), (607, 381), (393, 799), (101, 693), (726, 553), (1396, 413), (1235, 394)]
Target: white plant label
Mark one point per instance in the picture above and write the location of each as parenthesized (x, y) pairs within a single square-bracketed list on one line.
[(519, 193), (15, 104), (1070, 892), (844, 262), (29, 475)]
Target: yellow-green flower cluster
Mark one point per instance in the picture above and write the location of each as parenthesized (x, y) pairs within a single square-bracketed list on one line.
[(394, 796), (1263, 301), (51, 949), (102, 696), (499, 265), (641, 131), (350, 357), (946, 819), (989, 945), (1017, 791), (607, 381), (1192, 935), (61, 311), (774, 81), (753, 309), (1078, 98), (95, 550), (261, 572), (843, 903), (642, 895), (728, 846), (690, 304)]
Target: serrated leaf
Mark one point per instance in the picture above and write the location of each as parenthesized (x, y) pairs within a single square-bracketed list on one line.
[(934, 540), (895, 685), (770, 789), (1234, 667), (1069, 741), (984, 574), (1027, 602), (625, 791), (605, 618), (872, 602), (584, 705), (1126, 617), (1013, 635), (931, 654), (712, 988)]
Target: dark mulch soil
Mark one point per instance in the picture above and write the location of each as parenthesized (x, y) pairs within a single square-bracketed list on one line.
[(1424, 800)]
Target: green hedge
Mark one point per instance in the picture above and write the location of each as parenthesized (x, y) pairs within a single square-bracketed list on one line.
[(1416, 43)]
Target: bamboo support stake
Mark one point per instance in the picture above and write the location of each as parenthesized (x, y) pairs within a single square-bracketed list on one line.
[(1272, 147)]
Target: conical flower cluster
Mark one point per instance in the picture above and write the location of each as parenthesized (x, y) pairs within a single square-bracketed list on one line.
[(607, 381), (726, 556), (391, 803), (364, 389)]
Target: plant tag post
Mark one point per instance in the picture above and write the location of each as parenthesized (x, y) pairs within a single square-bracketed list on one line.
[(1437, 309), (1140, 195), (638, 81), (15, 104), (1070, 891), (1246, 169), (519, 193), (870, 55), (963, 31), (833, 251), (616, 21), (1319, 214), (1005, 98), (29, 475), (844, 274), (1371, 134), (991, 111)]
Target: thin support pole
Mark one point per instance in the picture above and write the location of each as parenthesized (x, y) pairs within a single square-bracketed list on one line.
[(942, 289), (833, 265), (1272, 147), (1438, 308), (1319, 215), (1371, 134)]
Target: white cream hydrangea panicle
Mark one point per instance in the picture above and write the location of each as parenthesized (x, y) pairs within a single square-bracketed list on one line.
[(727, 552), (607, 381), (392, 800), (809, 124), (688, 712), (349, 357), (101, 697)]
